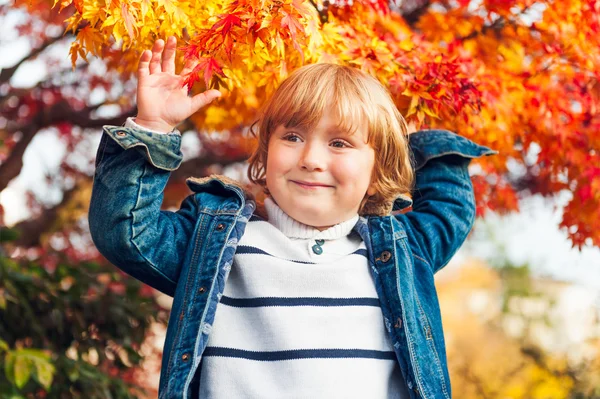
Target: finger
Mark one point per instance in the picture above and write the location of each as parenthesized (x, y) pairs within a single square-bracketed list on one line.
[(203, 99), (156, 56), (143, 69), (168, 61)]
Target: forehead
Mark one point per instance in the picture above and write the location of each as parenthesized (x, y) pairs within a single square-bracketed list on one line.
[(320, 92), (331, 120)]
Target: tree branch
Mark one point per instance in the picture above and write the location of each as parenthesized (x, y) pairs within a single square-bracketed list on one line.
[(412, 11), (324, 13), (496, 26), (43, 85), (59, 112), (31, 230), (8, 73)]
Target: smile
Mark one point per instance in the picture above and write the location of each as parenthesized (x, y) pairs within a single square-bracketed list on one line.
[(309, 186)]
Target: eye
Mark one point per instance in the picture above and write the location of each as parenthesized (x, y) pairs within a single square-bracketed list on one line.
[(292, 137), (340, 143)]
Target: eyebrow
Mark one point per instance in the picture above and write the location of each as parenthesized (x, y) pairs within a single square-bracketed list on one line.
[(336, 130), (339, 130)]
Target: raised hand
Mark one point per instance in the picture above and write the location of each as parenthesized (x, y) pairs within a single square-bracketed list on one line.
[(163, 101)]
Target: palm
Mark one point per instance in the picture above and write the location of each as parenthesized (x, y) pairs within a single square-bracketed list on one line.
[(163, 101), (163, 96)]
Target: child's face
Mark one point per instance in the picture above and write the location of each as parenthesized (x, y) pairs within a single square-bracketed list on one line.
[(340, 163)]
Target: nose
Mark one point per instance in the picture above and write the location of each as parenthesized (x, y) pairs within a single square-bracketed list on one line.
[(313, 157)]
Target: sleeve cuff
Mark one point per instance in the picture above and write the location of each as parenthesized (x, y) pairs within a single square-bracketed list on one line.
[(131, 123), (429, 144), (162, 150)]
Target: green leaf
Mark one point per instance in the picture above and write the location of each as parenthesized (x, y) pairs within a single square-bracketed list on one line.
[(9, 366), (34, 354), (44, 371), (7, 234), (23, 369), (73, 374)]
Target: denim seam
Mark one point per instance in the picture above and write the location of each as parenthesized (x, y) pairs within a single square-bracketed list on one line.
[(175, 345), (464, 155), (432, 345), (210, 211), (421, 259), (99, 161), (210, 292), (133, 241), (145, 147), (465, 173), (413, 360)]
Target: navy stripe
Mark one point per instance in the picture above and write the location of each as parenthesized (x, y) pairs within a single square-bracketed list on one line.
[(279, 301), (299, 354), (362, 251), (247, 249)]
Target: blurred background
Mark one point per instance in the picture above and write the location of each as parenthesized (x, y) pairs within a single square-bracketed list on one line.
[(520, 300)]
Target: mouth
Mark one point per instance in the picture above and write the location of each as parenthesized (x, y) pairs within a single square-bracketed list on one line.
[(309, 185)]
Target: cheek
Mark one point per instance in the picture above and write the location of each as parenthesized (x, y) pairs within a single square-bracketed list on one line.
[(354, 171), (278, 161)]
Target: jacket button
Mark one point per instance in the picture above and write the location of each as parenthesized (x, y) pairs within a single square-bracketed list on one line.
[(220, 227), (121, 133), (317, 249), (201, 290), (185, 357), (385, 256), (398, 323)]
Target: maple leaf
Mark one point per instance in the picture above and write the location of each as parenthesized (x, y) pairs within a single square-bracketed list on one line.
[(225, 27), (90, 38), (129, 20), (206, 66), (226, 23), (478, 68), (292, 24), (76, 51)]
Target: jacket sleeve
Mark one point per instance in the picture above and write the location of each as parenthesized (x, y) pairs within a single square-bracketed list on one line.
[(125, 220), (443, 209)]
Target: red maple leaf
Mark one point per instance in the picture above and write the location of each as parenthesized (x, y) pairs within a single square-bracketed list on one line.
[(209, 66)]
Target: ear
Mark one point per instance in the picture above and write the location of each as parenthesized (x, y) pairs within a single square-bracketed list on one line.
[(371, 190)]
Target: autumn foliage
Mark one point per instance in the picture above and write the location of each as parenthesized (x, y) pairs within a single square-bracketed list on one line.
[(520, 76)]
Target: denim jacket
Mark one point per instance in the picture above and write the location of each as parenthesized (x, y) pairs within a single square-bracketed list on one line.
[(188, 253)]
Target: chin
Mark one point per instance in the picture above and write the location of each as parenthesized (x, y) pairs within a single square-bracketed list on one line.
[(311, 221)]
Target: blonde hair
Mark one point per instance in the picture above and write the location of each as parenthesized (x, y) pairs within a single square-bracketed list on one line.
[(302, 99)]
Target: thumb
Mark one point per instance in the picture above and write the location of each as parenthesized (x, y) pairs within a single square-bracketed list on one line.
[(205, 98)]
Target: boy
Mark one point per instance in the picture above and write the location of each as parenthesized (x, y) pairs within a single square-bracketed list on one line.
[(328, 293)]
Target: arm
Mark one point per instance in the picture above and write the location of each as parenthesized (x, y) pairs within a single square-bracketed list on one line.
[(126, 223), (443, 209), (133, 165)]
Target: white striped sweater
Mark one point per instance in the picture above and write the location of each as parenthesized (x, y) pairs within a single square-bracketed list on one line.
[(293, 323)]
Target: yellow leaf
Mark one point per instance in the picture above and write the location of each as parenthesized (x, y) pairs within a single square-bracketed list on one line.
[(129, 21), (73, 52)]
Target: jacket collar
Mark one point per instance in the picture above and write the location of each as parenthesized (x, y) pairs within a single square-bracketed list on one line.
[(219, 184)]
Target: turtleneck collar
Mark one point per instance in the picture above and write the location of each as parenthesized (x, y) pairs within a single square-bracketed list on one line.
[(294, 229)]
